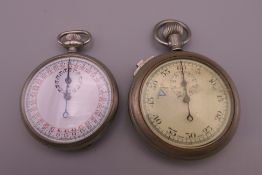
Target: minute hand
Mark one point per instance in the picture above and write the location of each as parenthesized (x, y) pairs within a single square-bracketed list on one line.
[(186, 98)]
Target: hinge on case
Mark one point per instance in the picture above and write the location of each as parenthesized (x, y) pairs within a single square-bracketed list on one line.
[(141, 63)]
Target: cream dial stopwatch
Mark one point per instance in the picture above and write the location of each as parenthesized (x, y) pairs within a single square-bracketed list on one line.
[(183, 103), (69, 99)]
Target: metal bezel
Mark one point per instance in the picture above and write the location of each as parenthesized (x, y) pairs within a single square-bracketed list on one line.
[(98, 133), (164, 147)]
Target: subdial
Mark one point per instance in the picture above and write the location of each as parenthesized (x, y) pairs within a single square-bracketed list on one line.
[(61, 81), (178, 88)]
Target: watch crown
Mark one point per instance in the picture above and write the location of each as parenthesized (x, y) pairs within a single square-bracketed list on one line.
[(71, 37), (72, 40), (172, 28)]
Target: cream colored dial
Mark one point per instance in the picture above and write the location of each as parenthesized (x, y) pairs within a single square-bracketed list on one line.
[(186, 103)]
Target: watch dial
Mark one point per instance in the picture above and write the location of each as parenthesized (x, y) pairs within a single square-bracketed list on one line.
[(67, 100), (186, 103)]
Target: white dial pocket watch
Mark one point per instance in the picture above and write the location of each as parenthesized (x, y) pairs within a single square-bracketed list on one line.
[(183, 103), (70, 99)]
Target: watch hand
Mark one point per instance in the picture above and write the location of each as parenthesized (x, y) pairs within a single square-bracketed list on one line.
[(66, 114), (68, 80), (189, 116), (67, 95), (186, 98)]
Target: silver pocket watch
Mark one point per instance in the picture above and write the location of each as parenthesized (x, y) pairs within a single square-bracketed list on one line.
[(69, 100)]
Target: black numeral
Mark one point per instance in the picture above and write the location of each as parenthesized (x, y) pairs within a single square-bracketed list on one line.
[(179, 67), (220, 98), (198, 70), (191, 135), (165, 72), (207, 130), (171, 133), (153, 84), (150, 100), (213, 82), (219, 116), (156, 119)]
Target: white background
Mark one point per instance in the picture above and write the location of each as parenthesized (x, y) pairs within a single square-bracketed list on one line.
[(228, 31)]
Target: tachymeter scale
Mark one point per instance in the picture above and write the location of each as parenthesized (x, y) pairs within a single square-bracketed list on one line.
[(46, 99), (186, 103)]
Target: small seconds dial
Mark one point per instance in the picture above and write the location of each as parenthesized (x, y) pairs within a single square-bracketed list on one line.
[(67, 100), (186, 103)]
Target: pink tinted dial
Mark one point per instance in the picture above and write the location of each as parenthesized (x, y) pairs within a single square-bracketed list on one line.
[(67, 100)]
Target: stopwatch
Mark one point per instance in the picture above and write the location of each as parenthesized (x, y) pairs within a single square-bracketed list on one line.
[(69, 100), (184, 104)]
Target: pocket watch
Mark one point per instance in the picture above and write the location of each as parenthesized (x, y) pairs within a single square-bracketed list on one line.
[(184, 104), (69, 100)]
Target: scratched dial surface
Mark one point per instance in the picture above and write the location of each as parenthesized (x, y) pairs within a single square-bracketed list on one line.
[(67, 100), (186, 103)]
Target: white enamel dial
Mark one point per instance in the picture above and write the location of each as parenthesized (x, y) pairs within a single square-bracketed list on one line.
[(67, 100), (186, 103)]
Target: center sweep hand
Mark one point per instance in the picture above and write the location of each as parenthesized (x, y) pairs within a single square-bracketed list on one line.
[(186, 98), (67, 95)]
